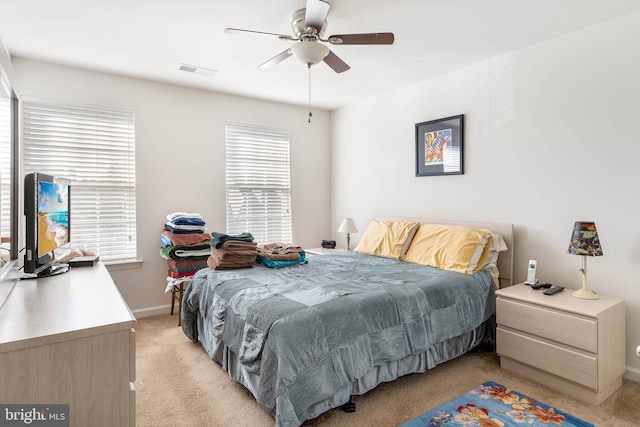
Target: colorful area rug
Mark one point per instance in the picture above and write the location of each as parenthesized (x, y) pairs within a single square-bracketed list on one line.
[(494, 405)]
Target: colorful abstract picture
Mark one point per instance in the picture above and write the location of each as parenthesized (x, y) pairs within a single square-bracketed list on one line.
[(435, 144), (439, 147)]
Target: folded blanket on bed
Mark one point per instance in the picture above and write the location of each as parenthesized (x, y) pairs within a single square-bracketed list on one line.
[(229, 264), (217, 239), (222, 259), (274, 263), (279, 257), (222, 254), (238, 245), (279, 248), (280, 251)]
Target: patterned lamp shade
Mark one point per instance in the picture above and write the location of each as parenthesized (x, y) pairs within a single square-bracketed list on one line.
[(584, 240)]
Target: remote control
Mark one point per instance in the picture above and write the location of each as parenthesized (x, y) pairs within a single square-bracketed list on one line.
[(541, 285), (553, 290)]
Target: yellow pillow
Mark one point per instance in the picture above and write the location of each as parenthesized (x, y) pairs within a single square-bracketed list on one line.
[(449, 247), (389, 239)]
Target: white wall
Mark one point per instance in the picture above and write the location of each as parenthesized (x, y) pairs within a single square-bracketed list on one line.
[(180, 158), (551, 137)]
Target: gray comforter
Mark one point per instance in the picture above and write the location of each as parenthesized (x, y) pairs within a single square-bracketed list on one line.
[(309, 330)]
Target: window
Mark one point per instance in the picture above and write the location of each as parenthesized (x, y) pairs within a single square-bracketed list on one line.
[(6, 169), (258, 182), (93, 149)]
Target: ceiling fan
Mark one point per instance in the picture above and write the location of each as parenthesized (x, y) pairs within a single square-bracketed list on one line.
[(308, 26)]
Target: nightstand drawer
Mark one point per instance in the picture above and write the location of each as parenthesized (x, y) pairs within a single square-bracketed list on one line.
[(566, 329), (574, 366)]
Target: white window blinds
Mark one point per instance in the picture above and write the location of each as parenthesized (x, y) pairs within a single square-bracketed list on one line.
[(5, 168), (93, 149), (258, 182)]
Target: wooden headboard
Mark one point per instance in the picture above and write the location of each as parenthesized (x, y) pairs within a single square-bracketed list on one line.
[(505, 258)]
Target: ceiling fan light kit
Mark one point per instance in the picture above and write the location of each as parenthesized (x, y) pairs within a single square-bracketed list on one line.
[(308, 26), (310, 52)]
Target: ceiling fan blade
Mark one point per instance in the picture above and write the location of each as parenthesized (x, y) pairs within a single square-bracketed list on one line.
[(315, 13), (258, 33), (276, 59), (337, 64), (367, 38)]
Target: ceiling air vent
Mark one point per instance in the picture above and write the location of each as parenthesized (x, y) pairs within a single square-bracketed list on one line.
[(197, 70)]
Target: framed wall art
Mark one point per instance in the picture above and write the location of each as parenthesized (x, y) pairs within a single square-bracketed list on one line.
[(439, 146)]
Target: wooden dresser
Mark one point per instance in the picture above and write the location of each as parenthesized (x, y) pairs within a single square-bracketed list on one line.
[(570, 344), (69, 339)]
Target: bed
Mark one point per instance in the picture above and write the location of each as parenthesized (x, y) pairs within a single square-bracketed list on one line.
[(304, 339)]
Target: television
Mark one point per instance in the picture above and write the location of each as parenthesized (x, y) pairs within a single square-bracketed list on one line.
[(47, 222)]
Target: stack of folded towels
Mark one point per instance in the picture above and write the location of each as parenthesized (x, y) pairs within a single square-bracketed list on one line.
[(184, 244), (231, 251), (277, 255)]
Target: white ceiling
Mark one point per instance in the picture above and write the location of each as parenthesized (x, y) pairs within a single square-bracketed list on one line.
[(150, 38)]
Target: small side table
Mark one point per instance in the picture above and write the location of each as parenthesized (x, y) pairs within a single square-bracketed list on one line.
[(573, 345), (177, 291), (323, 251)]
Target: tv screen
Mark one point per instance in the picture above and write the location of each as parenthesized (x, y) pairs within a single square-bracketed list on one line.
[(53, 216), (47, 221)]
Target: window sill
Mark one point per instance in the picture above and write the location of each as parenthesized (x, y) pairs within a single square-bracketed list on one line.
[(127, 264)]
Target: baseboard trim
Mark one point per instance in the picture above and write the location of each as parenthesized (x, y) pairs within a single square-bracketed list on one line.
[(152, 311), (632, 374)]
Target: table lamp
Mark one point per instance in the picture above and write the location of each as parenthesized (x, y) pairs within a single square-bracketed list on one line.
[(348, 226), (585, 242)]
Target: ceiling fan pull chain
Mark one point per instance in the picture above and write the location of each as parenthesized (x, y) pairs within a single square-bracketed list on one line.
[(309, 67)]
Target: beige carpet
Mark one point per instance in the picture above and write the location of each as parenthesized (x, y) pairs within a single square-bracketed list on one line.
[(178, 385)]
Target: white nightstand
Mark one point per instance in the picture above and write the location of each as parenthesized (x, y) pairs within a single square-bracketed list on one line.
[(573, 345), (323, 251)]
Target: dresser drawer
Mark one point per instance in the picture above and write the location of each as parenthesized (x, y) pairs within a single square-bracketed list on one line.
[(574, 366), (566, 329), (132, 355), (132, 405)]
